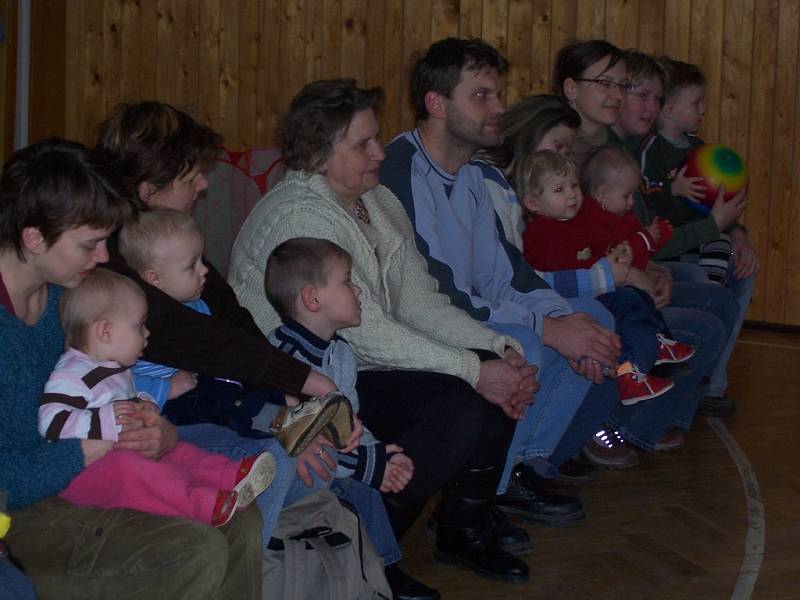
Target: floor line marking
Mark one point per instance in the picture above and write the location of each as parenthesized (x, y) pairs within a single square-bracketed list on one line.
[(756, 518)]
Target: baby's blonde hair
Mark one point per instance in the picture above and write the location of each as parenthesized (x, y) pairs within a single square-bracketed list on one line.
[(99, 294), (602, 165), (531, 172), (139, 240)]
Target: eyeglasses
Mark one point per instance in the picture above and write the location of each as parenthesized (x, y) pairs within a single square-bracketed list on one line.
[(608, 84)]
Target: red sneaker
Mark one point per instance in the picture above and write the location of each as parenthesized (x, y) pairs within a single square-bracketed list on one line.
[(635, 386), (224, 507), (255, 474), (671, 352)]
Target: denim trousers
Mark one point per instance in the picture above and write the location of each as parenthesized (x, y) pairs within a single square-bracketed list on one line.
[(561, 397), (645, 422), (636, 321), (732, 314), (14, 585), (287, 487)]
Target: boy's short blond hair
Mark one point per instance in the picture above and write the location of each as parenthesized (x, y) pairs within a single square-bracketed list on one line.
[(295, 263), (139, 240), (99, 294), (533, 169), (602, 165), (678, 76), (642, 67)]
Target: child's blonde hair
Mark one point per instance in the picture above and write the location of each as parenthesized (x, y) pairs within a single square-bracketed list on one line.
[(138, 240), (533, 169), (99, 294), (602, 165)]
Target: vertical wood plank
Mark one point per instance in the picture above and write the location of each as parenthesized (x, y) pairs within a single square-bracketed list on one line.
[(495, 24), (376, 43), (542, 56), (166, 75), (444, 19), (395, 62), (416, 39), (331, 40), (269, 83), (112, 55), (229, 74), (91, 95), (706, 51), (652, 24), (74, 71), (783, 160), (520, 23), (470, 19), (590, 20), (354, 40), (790, 295), (622, 20), (563, 25), (678, 29), (249, 40), (208, 54), (313, 28), (760, 145)]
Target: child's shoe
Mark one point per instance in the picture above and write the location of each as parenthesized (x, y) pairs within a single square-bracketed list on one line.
[(254, 476), (224, 507), (671, 352), (295, 427), (340, 428), (635, 386)]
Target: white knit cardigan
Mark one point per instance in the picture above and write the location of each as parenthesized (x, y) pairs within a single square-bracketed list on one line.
[(406, 323)]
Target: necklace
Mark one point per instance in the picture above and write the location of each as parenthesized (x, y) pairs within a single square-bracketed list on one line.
[(361, 211)]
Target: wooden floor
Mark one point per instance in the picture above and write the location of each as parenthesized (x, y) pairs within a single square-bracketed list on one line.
[(676, 526)]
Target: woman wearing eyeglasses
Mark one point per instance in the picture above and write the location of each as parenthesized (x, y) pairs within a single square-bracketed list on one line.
[(594, 80)]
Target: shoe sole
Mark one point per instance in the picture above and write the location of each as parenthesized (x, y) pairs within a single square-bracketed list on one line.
[(453, 560), (632, 401), (673, 361), (257, 480), (547, 521), (600, 462), (325, 415)]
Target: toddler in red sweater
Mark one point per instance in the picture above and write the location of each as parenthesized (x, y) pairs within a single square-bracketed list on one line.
[(566, 230)]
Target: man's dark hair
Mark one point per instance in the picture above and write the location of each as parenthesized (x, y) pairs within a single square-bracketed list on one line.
[(439, 69), (55, 185)]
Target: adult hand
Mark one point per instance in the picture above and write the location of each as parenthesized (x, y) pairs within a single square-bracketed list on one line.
[(157, 437), (316, 458), (180, 383), (355, 436), (662, 283), (94, 450), (641, 280), (399, 470), (745, 258), (499, 382), (687, 187), (317, 385), (725, 213), (577, 337), (528, 384)]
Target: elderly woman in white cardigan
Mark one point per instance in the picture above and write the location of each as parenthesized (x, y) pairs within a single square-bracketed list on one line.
[(432, 379)]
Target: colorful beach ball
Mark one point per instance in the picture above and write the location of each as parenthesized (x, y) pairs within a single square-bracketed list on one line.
[(717, 164)]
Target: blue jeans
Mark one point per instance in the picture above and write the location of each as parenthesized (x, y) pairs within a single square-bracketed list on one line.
[(732, 315), (369, 504), (561, 395), (645, 422), (285, 488), (637, 322), (14, 585)]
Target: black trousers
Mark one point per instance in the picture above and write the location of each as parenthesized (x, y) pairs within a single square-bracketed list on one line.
[(441, 422)]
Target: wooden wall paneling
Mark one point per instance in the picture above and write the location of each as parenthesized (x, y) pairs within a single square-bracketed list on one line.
[(166, 66), (331, 39), (137, 50), (313, 31), (269, 84), (47, 81), (494, 27), (249, 39), (678, 28), (651, 26), (354, 40), (416, 38), (375, 43), (91, 92), (622, 22), (229, 72), (444, 19), (563, 25), (518, 52), (72, 70), (9, 58), (394, 62), (590, 18), (470, 18), (708, 19), (760, 144), (208, 57), (189, 70), (792, 291), (112, 55), (542, 56), (783, 161)]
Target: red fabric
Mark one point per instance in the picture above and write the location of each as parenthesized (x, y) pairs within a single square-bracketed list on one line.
[(5, 298), (552, 245)]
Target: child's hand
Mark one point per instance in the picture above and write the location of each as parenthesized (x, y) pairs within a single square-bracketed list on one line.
[(399, 470), (656, 227), (726, 213), (620, 267), (687, 187), (621, 253), (355, 437), (180, 383), (94, 450)]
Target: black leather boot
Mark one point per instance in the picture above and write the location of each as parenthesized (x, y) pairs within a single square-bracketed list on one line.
[(462, 540), (525, 498)]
